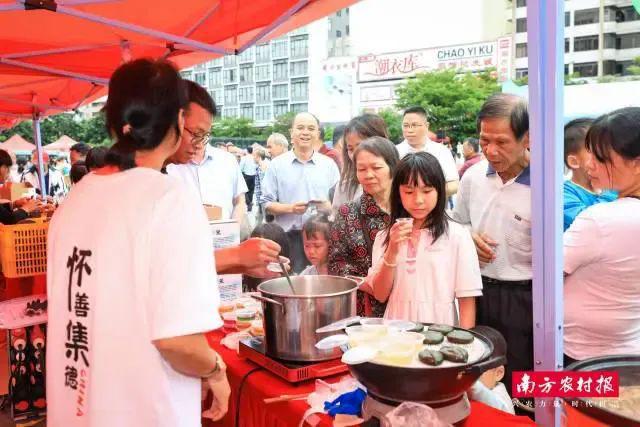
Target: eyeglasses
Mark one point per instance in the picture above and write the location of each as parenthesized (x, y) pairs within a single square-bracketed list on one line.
[(412, 125), (198, 138)]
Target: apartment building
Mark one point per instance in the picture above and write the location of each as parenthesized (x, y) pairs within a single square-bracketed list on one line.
[(602, 37)]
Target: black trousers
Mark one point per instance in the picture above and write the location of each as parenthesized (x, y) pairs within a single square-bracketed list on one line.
[(296, 251), (508, 308), (251, 185)]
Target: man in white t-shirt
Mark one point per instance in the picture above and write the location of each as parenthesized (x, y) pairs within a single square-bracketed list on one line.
[(415, 129)]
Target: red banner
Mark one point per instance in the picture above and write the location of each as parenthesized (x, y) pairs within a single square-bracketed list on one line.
[(565, 384)]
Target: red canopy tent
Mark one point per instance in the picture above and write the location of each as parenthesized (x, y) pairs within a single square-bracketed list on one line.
[(17, 143), (58, 55), (64, 143)]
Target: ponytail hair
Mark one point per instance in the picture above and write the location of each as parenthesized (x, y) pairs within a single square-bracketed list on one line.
[(145, 98)]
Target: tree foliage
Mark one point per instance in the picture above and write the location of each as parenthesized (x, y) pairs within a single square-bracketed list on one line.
[(393, 119), (635, 68), (451, 100), (91, 131)]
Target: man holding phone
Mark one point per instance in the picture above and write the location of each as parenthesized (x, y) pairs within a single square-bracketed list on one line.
[(297, 179)]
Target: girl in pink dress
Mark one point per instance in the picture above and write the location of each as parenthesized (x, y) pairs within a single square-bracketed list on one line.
[(424, 261)]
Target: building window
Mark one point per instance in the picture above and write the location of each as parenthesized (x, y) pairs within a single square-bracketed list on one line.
[(299, 68), (299, 89), (263, 72), (567, 45), (339, 13), (609, 67), (521, 50), (338, 34), (246, 74), (218, 96), (230, 95), (567, 19), (245, 94), (263, 53), (629, 41), (280, 108), (300, 108), (347, 30), (627, 13), (247, 55), (230, 60), (300, 46), (230, 112), (280, 71), (215, 77), (200, 78), (246, 111), (566, 69), (586, 69), (581, 44), (263, 93), (280, 91), (586, 16), (521, 25), (609, 40), (230, 76), (186, 75), (263, 112), (610, 13), (279, 49), (521, 3), (521, 72)]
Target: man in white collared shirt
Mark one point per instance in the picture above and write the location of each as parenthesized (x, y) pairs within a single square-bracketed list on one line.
[(213, 173), (294, 179), (494, 200), (252, 256), (415, 129)]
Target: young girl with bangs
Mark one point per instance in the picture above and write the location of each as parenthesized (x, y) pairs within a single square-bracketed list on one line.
[(424, 260)]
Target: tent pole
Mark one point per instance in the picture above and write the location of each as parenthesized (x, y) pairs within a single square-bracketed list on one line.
[(546, 83), (38, 140)]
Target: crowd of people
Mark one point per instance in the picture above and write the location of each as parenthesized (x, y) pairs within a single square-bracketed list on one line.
[(369, 208)]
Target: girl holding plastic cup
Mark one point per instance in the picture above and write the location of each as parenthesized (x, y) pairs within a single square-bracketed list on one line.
[(424, 261)]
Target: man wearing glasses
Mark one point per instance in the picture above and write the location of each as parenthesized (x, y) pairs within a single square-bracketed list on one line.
[(415, 129), (214, 173)]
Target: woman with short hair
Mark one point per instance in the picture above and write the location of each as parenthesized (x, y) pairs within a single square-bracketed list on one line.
[(358, 222)]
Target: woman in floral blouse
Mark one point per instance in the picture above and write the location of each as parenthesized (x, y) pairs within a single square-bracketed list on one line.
[(357, 223)]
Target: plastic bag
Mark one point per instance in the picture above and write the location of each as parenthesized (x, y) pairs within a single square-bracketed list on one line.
[(411, 414), (232, 341)]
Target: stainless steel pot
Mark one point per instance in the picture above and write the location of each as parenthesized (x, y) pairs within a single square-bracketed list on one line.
[(290, 321)]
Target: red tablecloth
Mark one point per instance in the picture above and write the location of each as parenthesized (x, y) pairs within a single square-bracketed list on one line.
[(258, 384)]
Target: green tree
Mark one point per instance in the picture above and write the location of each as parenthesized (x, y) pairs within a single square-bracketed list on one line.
[(393, 119), (24, 129), (94, 131), (451, 100), (232, 127), (283, 124), (635, 68)]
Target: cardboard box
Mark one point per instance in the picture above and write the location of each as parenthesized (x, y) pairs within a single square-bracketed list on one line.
[(225, 233), (13, 191), (214, 213)]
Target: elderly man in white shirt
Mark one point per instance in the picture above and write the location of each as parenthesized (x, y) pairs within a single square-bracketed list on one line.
[(494, 200), (252, 256), (415, 129), (296, 178)]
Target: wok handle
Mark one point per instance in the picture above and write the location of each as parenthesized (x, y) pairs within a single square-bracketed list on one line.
[(359, 280), (479, 368), (268, 301)]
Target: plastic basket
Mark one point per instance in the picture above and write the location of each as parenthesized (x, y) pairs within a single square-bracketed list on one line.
[(23, 249)]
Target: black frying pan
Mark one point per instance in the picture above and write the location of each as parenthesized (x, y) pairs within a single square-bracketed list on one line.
[(435, 385)]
